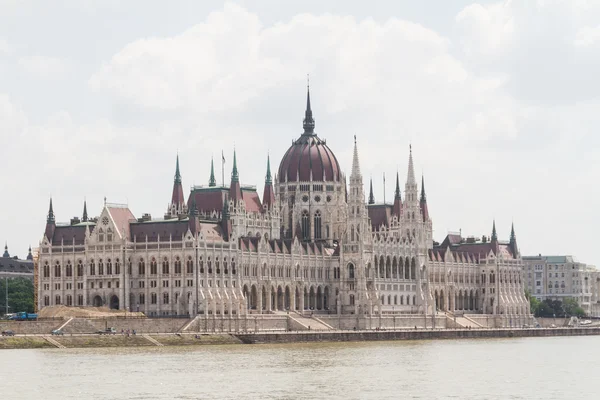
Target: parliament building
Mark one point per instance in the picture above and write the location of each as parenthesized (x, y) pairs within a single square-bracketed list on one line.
[(314, 243)]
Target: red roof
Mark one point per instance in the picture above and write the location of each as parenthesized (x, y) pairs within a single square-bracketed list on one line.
[(122, 216), (380, 214), (307, 155)]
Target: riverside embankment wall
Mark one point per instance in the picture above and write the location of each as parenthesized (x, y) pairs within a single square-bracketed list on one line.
[(357, 336)]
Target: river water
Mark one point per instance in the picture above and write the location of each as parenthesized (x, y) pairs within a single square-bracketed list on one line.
[(528, 368)]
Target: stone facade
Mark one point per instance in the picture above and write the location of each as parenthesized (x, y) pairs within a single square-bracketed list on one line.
[(557, 277), (312, 244)]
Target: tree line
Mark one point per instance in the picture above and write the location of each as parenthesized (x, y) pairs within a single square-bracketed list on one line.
[(548, 308), (20, 295)]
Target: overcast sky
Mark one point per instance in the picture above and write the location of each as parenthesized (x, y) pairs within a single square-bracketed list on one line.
[(499, 100)]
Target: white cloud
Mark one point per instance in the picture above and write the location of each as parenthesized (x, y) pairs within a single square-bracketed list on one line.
[(4, 46), (44, 67), (501, 113), (587, 36)]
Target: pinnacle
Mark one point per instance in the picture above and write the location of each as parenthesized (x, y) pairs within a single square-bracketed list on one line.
[(177, 174), (212, 182), (410, 179)]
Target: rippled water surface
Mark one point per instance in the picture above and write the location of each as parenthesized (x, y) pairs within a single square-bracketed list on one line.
[(531, 368)]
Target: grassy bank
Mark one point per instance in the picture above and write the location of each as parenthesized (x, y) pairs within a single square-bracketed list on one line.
[(16, 342), (97, 341)]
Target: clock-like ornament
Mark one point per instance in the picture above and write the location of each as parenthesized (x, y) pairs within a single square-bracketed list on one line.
[(105, 220)]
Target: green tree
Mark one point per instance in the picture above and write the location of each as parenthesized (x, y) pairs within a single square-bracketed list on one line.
[(534, 303), (20, 295)]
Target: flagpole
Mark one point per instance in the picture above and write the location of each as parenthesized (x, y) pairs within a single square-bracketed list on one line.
[(384, 188), (223, 168)]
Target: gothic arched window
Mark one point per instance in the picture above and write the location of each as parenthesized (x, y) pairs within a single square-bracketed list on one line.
[(305, 225), (317, 224)]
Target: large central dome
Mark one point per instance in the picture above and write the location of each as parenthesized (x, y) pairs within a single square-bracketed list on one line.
[(309, 156)]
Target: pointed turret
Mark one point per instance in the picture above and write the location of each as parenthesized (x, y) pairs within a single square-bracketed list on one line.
[(177, 205), (410, 178), (513, 241), (371, 197), (235, 191), (29, 255), (84, 218), (6, 255), (50, 223), (309, 123), (268, 193), (50, 218), (423, 201), (397, 209), (212, 181), (494, 234), (355, 163)]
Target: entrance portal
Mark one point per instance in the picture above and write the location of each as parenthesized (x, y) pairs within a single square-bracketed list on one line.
[(97, 301), (114, 302)]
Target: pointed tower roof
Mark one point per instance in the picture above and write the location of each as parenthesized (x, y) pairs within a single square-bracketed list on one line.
[(423, 201), (410, 178), (177, 173), (50, 219), (235, 191), (371, 197), (397, 208), (5, 250), (268, 193), (513, 242), (235, 177), (355, 162), (494, 234), (177, 198), (212, 181), (309, 123), (29, 255), (268, 178), (85, 214)]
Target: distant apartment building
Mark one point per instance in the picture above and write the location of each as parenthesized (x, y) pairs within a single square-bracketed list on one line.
[(13, 267), (558, 277)]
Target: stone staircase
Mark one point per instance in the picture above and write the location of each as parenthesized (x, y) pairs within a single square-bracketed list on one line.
[(301, 322), (53, 342), (78, 325), (152, 340)]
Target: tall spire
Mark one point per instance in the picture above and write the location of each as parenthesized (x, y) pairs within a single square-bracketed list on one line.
[(423, 202), (513, 241), (309, 122), (85, 214), (268, 179), (397, 208), (212, 182), (177, 174), (177, 201), (371, 197), (494, 234), (6, 255), (410, 179), (355, 162), (235, 190), (234, 173), (268, 193), (29, 255), (50, 219)]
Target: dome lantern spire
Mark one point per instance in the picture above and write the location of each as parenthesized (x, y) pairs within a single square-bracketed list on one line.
[(309, 122)]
